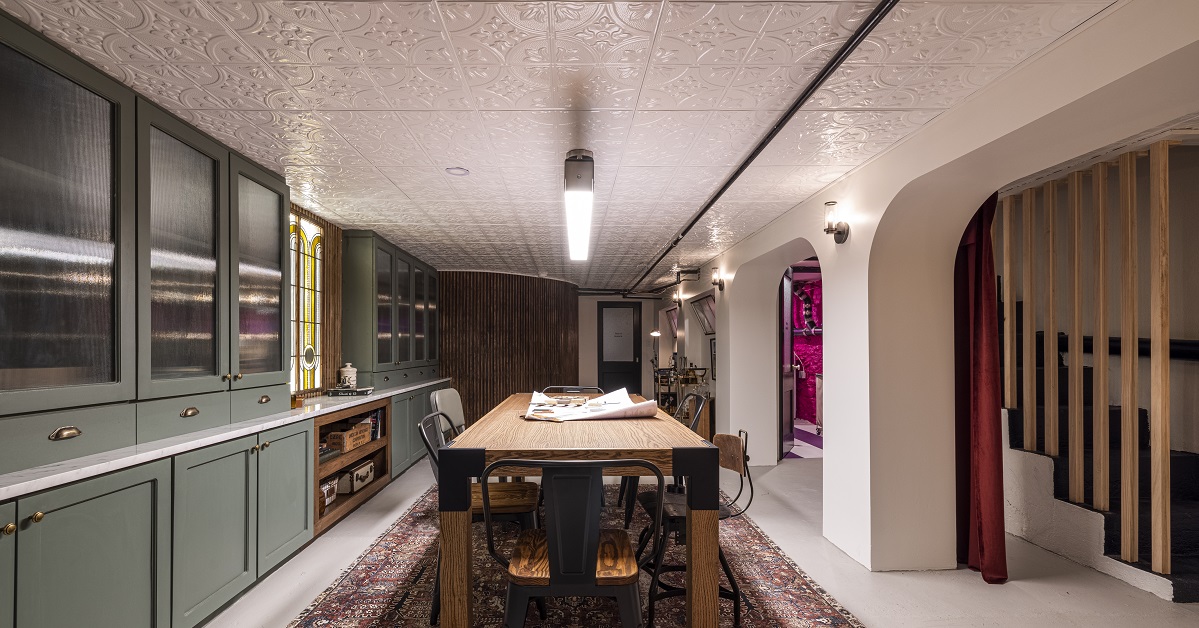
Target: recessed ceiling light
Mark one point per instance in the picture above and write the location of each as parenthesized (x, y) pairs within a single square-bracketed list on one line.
[(457, 171)]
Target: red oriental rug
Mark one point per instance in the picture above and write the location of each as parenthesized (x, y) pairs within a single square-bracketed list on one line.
[(391, 584)]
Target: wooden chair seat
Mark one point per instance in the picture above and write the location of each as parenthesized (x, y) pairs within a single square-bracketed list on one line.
[(506, 497), (674, 506), (530, 565)]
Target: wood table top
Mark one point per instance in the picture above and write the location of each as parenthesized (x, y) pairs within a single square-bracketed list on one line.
[(505, 435)]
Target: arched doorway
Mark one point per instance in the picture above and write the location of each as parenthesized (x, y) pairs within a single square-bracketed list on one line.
[(801, 344)]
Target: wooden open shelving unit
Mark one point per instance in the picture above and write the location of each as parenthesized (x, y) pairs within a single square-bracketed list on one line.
[(378, 450)]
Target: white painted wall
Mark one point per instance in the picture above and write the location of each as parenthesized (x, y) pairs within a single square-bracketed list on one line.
[(589, 341), (889, 464)]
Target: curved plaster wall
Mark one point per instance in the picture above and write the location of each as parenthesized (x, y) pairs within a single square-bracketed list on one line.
[(889, 463)]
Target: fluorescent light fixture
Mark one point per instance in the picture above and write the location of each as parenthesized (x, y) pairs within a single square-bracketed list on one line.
[(579, 194)]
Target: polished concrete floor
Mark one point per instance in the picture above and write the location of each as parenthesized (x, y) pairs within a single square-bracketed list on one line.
[(1045, 589)]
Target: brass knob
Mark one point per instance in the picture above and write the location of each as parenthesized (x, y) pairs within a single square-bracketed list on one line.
[(238, 376), (37, 517), (266, 444), (9, 529), (226, 377), (254, 449)]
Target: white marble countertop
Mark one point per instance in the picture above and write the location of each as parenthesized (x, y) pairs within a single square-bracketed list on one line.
[(28, 481)]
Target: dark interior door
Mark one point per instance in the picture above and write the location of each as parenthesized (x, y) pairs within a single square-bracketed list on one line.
[(786, 374), (619, 346)]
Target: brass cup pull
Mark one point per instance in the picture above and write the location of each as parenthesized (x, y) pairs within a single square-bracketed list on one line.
[(66, 432), (264, 399), (189, 412), (254, 449), (9, 529), (238, 376), (37, 517)]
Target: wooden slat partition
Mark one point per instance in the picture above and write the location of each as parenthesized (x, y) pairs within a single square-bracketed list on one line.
[(1074, 432), (1010, 387), (1159, 358), (1029, 407), (1049, 359), (1101, 489), (503, 333), (1129, 459)]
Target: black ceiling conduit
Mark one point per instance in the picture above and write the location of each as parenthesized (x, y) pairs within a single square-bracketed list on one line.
[(874, 19)]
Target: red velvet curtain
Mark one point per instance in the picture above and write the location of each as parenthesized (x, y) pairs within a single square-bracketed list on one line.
[(979, 435)]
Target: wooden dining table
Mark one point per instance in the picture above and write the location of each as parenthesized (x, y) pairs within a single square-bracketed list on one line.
[(503, 435)]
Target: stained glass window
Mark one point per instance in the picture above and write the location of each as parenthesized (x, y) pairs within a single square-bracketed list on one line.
[(306, 256)]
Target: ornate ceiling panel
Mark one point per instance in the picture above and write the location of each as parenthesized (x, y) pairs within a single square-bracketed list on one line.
[(362, 106)]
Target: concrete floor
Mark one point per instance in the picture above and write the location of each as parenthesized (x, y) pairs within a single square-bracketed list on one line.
[(1045, 589)]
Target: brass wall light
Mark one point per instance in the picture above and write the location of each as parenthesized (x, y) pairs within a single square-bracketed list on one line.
[(717, 280), (834, 224)]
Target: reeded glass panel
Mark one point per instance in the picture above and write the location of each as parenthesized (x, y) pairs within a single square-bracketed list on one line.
[(403, 311), (418, 298), (183, 264), (307, 253), (260, 279), (57, 230), (431, 315), (383, 302)]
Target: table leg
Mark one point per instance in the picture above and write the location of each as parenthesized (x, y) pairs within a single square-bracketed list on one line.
[(456, 574), (701, 466), (456, 467)]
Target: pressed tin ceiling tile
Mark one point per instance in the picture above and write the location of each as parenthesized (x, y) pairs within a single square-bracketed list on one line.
[(362, 105)]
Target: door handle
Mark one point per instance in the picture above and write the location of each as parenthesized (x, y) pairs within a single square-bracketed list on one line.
[(65, 433), (264, 399), (189, 412)]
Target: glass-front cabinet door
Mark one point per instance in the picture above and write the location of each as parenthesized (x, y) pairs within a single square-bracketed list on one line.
[(385, 353), (403, 329), (419, 293), (259, 250), (67, 230), (431, 316), (183, 257)]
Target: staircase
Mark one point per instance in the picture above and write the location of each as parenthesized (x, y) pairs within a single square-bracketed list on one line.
[(1184, 498)]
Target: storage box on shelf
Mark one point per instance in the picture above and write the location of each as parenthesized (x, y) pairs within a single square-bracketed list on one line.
[(376, 452)]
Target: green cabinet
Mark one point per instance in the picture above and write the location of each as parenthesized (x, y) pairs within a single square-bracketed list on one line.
[(386, 313), (401, 433), (8, 562), (215, 518), (67, 215), (241, 508), (97, 553), (285, 492)]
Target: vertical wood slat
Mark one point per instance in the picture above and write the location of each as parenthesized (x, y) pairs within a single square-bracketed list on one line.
[(1029, 407), (1050, 357), (504, 333), (1101, 490), (1159, 356), (1129, 459), (1074, 432), (1009, 307)]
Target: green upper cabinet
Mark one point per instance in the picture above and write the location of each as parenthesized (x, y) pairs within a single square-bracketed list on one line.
[(259, 276), (8, 562), (67, 229), (285, 492), (385, 309), (97, 553), (432, 330), (183, 258)]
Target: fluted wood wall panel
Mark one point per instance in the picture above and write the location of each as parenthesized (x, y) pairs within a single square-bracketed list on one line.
[(502, 334)]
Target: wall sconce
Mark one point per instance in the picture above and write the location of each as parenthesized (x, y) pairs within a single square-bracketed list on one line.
[(717, 280), (833, 224), (677, 296), (655, 333)]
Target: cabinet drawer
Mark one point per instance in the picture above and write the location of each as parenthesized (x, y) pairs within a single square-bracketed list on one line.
[(27, 440), (164, 418), (252, 403)]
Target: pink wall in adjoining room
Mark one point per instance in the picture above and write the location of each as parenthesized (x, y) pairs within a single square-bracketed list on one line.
[(810, 350)]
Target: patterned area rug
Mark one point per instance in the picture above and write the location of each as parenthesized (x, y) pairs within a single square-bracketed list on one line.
[(391, 584)]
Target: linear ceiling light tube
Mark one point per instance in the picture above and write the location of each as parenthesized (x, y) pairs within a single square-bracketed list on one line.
[(579, 192), (874, 19)]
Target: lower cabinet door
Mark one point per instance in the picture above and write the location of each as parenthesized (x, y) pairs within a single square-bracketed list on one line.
[(400, 434), (97, 553), (8, 563), (422, 407), (285, 492), (216, 528)]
